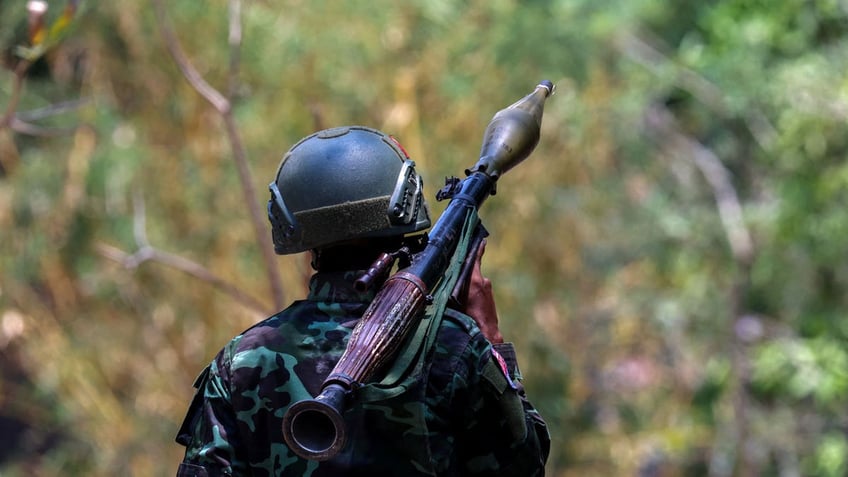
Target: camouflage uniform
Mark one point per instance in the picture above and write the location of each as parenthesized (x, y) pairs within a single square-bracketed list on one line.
[(463, 413)]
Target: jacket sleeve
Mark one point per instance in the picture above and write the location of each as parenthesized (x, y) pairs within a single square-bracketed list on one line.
[(505, 435), (209, 431)]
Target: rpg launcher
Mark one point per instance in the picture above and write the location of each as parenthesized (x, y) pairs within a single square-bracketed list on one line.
[(314, 429)]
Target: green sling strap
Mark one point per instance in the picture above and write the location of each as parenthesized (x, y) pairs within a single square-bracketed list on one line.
[(411, 360)]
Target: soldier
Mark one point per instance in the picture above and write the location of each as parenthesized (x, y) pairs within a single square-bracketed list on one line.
[(462, 410)]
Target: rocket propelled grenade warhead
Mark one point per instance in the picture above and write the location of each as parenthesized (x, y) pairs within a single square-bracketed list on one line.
[(513, 133)]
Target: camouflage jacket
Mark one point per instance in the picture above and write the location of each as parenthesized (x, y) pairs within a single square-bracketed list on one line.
[(464, 414)]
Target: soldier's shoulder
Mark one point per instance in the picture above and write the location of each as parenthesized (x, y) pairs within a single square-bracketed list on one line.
[(456, 320), (459, 338), (274, 329)]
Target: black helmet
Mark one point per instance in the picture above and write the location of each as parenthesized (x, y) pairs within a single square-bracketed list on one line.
[(341, 184)]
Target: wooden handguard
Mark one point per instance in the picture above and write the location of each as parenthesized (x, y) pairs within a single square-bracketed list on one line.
[(378, 335)]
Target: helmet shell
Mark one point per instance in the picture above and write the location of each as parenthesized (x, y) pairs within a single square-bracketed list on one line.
[(341, 184)]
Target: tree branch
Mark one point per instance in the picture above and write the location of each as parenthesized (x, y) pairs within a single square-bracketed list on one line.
[(145, 252), (234, 40), (39, 131), (18, 122), (224, 107), (665, 130), (17, 87), (661, 121), (51, 110), (218, 101), (148, 253), (645, 53)]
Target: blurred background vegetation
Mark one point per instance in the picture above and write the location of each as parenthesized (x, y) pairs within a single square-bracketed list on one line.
[(671, 261)]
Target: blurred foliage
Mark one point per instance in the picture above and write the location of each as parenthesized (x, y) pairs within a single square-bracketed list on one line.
[(649, 344)]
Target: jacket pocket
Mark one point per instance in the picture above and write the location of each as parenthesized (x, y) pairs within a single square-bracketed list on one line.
[(191, 470)]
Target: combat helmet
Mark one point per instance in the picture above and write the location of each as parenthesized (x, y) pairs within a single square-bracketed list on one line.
[(341, 184)]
